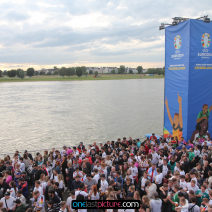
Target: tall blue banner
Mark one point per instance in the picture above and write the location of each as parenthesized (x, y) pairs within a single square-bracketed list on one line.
[(188, 76)]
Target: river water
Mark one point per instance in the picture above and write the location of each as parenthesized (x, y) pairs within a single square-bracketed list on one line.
[(38, 115)]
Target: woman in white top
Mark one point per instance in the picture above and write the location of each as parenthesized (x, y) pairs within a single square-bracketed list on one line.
[(61, 181), (13, 189), (129, 174), (93, 194), (43, 181), (108, 161)]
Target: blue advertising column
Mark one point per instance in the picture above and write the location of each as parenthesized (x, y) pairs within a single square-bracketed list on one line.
[(188, 80)]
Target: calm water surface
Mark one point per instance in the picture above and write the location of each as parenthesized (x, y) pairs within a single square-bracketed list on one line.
[(37, 115)]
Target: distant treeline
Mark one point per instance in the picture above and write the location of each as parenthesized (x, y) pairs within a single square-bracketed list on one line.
[(71, 71)]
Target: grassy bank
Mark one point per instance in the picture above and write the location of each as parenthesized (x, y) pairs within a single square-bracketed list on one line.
[(74, 78)]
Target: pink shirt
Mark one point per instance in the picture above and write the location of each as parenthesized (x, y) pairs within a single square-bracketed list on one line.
[(69, 151), (136, 164), (9, 179)]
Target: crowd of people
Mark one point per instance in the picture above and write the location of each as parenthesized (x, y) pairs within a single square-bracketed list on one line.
[(165, 174)]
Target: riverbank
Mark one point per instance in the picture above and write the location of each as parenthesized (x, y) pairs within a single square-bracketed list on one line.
[(75, 78)]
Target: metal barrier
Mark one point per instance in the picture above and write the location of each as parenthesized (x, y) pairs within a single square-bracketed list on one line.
[(33, 152)]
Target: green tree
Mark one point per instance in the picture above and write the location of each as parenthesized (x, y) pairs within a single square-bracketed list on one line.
[(96, 73), (11, 73), (79, 71), (17, 72), (0, 73), (72, 70), (86, 73), (30, 72), (121, 69), (140, 69), (83, 69), (55, 73), (90, 72), (55, 68), (130, 71), (113, 71), (62, 71), (68, 72), (21, 74), (42, 73)]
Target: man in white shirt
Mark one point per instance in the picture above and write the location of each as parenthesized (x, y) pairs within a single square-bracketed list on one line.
[(69, 201), (80, 191), (165, 168), (103, 152), (22, 165), (104, 183), (192, 186), (134, 170), (155, 157), (54, 176), (8, 201), (96, 175), (159, 179), (38, 187)]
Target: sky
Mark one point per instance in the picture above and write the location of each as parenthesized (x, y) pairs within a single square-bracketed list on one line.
[(43, 34)]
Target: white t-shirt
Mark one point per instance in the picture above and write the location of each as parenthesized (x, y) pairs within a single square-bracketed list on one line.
[(104, 155), (81, 192), (134, 171), (159, 178), (93, 197), (164, 170), (69, 203), (61, 184), (143, 181), (183, 184), (40, 189), (96, 177), (55, 178), (104, 185), (189, 187)]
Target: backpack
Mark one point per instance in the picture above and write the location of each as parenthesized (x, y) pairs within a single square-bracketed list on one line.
[(191, 209)]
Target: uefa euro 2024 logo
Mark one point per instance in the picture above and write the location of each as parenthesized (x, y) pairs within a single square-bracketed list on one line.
[(177, 42), (206, 40)]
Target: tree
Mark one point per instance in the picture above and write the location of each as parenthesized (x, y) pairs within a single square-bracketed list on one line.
[(96, 73), (86, 73), (55, 73), (130, 71), (42, 73), (90, 72), (55, 68), (113, 71), (30, 72), (11, 73), (62, 71), (0, 73), (83, 69), (17, 72), (140, 69), (121, 69), (21, 74), (79, 71), (68, 72), (72, 70)]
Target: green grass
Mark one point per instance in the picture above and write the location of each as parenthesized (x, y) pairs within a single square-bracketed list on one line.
[(74, 78)]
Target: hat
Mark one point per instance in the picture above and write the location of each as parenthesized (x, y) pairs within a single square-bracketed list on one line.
[(81, 143), (25, 151), (18, 173), (7, 162), (20, 179), (34, 165), (131, 154), (7, 193), (17, 201)]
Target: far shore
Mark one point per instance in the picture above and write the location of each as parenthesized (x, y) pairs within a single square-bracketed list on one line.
[(76, 78)]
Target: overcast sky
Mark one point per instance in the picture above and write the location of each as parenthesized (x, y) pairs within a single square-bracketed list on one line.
[(45, 33)]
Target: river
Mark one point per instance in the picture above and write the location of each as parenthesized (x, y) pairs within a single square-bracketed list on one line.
[(38, 115)]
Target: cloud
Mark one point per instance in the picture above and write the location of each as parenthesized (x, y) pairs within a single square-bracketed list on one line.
[(88, 31)]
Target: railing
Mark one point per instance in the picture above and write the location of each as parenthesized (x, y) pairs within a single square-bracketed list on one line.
[(33, 152)]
